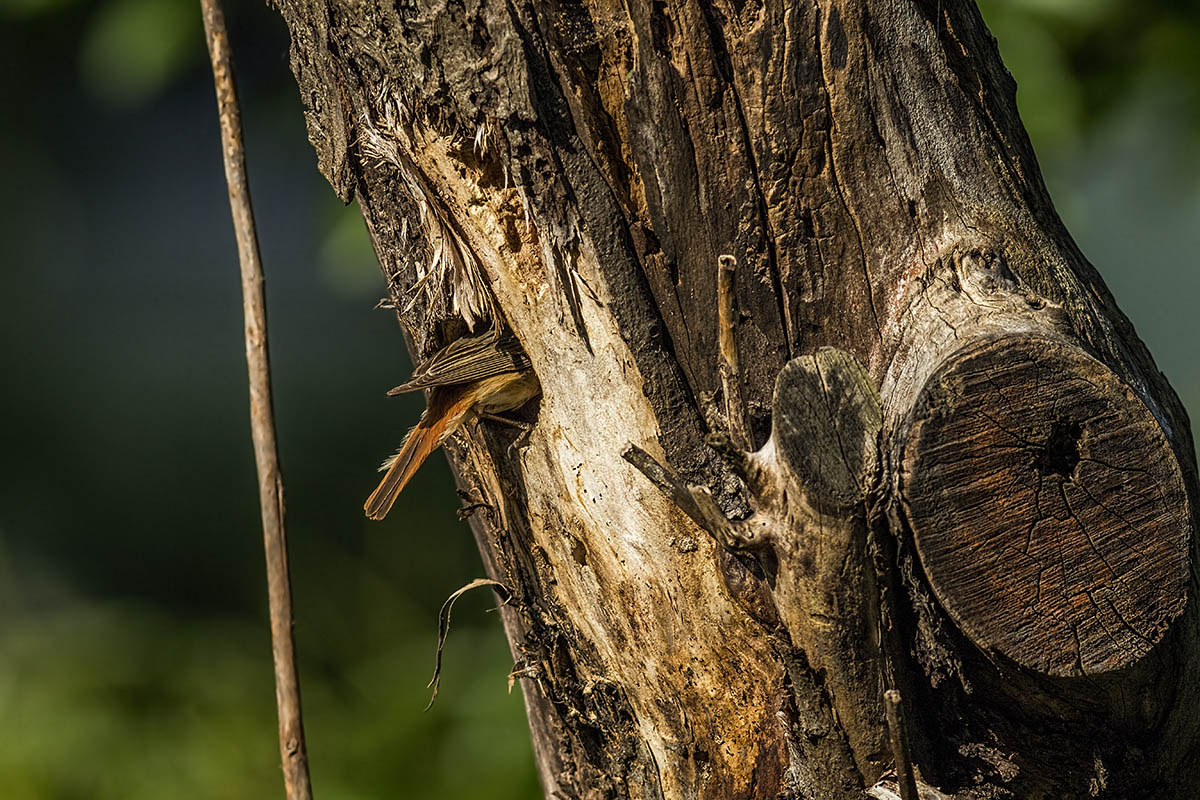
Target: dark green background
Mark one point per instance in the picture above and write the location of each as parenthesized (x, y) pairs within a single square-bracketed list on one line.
[(134, 658)]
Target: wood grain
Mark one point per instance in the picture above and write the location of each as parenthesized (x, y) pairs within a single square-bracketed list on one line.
[(1047, 507)]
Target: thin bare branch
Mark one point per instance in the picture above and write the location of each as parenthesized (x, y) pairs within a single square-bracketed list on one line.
[(262, 423), (695, 501)]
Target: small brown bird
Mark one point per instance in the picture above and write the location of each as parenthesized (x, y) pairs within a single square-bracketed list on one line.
[(484, 375)]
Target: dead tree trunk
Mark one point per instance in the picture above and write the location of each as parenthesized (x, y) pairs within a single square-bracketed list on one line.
[(969, 480)]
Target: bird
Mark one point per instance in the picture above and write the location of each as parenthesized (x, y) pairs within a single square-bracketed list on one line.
[(481, 375)]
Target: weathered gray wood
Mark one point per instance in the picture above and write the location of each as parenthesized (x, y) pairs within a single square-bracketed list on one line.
[(827, 422), (576, 169), (822, 458)]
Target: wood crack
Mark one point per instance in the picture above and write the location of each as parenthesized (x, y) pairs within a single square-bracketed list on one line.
[(717, 41), (836, 184)]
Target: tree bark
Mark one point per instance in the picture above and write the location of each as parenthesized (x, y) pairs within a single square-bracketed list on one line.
[(969, 481)]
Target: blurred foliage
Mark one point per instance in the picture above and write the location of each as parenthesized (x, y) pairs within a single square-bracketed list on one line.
[(134, 654), (135, 658), (133, 49), (27, 9), (111, 701), (347, 264), (1077, 61)]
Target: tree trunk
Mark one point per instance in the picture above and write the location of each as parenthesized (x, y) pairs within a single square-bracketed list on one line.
[(968, 479)]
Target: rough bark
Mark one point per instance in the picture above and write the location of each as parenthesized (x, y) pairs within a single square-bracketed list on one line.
[(970, 481)]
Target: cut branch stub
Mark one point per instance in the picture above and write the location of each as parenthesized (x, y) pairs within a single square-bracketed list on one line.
[(825, 443), (826, 425), (1047, 506)]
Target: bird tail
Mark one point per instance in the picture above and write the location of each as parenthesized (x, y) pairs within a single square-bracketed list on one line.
[(438, 422)]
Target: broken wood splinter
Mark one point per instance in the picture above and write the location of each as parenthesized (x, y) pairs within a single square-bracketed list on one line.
[(695, 501), (735, 458), (905, 778), (731, 382)]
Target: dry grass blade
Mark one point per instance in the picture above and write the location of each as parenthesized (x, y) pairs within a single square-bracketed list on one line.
[(444, 627)]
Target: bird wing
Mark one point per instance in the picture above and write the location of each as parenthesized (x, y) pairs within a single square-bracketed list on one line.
[(466, 360)]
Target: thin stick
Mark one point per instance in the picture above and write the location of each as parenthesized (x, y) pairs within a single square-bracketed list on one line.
[(731, 386), (905, 779), (262, 422), (695, 501)]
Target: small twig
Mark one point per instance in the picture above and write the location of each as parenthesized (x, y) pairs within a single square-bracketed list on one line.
[(523, 670), (731, 382), (444, 627), (695, 501), (262, 424), (667, 482), (466, 512), (905, 779), (474, 502)]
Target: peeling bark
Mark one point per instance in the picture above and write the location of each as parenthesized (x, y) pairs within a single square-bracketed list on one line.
[(968, 481)]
